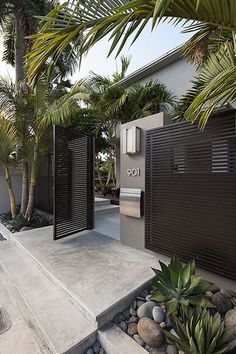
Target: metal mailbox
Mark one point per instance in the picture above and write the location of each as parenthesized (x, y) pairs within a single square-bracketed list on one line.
[(131, 202)]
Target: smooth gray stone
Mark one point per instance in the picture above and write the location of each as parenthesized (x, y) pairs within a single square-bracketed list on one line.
[(158, 314), (145, 310)]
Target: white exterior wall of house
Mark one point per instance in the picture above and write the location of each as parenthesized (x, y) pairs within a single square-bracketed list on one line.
[(172, 70), (16, 182), (176, 76)]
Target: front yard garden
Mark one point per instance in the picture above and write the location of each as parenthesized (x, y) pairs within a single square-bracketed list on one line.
[(182, 313)]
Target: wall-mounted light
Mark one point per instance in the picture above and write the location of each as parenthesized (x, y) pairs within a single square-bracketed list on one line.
[(131, 140)]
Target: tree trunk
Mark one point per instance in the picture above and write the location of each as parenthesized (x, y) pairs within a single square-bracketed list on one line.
[(108, 177), (25, 187), (98, 172), (32, 190), (20, 49), (11, 193)]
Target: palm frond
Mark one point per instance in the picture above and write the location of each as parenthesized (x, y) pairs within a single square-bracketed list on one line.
[(7, 141), (207, 39), (9, 41), (214, 88), (89, 21), (60, 111), (7, 98), (119, 75)]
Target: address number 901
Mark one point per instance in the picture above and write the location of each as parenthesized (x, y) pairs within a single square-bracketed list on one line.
[(133, 172)]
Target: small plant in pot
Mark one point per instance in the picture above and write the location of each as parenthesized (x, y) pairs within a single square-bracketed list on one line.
[(177, 285)]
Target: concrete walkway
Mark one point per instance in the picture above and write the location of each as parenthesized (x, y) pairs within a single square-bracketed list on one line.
[(40, 311), (107, 222), (66, 289), (98, 272)]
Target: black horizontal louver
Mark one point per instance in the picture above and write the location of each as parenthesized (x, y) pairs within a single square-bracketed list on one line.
[(190, 202), (73, 182)]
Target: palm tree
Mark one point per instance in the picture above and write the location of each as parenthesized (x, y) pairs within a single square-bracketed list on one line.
[(34, 111), (17, 108), (147, 99), (114, 104), (46, 114), (17, 20), (91, 20), (7, 148)]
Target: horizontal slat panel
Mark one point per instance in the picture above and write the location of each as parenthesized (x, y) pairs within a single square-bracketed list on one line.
[(73, 182), (190, 202)]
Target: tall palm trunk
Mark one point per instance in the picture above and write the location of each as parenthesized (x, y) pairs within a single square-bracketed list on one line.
[(10, 192), (32, 190), (20, 49), (25, 186)]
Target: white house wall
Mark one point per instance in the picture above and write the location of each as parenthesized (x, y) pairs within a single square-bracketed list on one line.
[(176, 76), (4, 197)]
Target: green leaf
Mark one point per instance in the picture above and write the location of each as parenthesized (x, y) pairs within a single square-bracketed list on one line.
[(172, 306), (90, 21), (186, 273), (159, 297), (175, 264), (200, 300)]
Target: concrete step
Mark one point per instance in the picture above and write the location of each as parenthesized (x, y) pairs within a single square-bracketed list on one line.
[(102, 201), (60, 326), (23, 336), (106, 207), (85, 266), (116, 341)]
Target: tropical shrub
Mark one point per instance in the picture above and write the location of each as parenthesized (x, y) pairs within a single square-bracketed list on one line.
[(201, 333), (178, 285), (6, 217), (19, 221), (41, 221)]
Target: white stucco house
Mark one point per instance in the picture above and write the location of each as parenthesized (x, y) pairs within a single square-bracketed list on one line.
[(171, 69)]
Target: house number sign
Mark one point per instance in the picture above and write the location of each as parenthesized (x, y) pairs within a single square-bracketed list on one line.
[(133, 172)]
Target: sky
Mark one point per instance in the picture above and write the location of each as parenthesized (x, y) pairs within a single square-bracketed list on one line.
[(149, 46)]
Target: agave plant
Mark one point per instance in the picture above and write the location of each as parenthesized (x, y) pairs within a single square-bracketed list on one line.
[(178, 285), (201, 333)]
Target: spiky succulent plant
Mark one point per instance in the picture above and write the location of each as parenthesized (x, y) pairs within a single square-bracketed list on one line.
[(177, 285), (200, 333)]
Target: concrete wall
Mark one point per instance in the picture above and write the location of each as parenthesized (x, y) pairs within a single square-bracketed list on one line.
[(177, 77), (132, 229), (16, 182)]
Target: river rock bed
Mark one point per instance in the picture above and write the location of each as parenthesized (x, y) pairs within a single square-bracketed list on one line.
[(144, 319), (96, 348)]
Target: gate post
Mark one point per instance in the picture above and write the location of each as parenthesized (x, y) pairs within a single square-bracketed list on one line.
[(132, 175)]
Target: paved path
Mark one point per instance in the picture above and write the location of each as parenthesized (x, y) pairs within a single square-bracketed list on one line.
[(44, 320), (96, 270), (107, 222), (66, 289)]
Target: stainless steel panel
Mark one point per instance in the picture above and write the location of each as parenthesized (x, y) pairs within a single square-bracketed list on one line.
[(130, 202)]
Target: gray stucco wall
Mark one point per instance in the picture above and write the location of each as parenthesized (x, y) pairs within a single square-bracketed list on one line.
[(16, 182), (132, 229), (177, 76)]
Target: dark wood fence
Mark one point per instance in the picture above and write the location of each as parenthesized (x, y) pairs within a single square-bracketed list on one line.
[(73, 182), (190, 202)]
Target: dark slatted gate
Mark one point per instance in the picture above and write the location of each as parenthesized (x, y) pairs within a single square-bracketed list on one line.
[(73, 182), (191, 193)]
